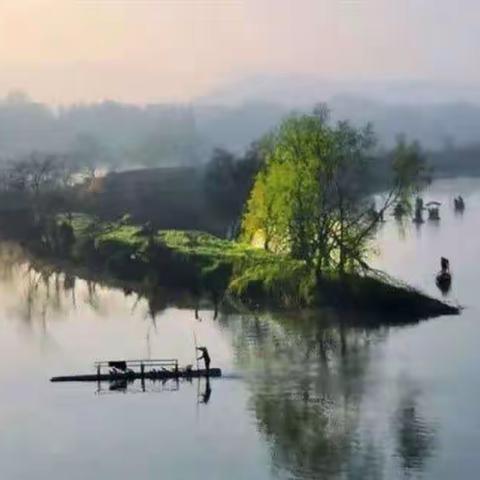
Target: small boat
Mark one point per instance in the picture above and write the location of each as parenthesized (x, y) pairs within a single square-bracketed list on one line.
[(433, 209), (459, 204), (163, 369), (443, 281)]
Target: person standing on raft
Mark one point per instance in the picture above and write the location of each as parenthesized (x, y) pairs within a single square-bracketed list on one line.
[(206, 358)]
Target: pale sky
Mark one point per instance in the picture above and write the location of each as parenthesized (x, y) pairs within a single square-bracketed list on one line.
[(63, 51)]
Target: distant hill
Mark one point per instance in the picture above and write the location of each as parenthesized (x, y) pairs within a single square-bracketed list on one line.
[(122, 136), (433, 114), (301, 91)]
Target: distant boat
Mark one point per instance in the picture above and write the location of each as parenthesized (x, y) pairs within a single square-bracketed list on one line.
[(433, 213), (459, 204), (443, 281), (433, 209)]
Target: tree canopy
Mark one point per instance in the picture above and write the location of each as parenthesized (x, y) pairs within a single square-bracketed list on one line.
[(312, 198), (228, 180)]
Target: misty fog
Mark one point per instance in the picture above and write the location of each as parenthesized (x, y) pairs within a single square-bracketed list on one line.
[(122, 136)]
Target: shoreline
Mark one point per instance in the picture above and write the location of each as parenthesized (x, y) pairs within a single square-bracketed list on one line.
[(192, 268)]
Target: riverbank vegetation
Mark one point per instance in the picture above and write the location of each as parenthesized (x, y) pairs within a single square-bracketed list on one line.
[(302, 194), (211, 269)]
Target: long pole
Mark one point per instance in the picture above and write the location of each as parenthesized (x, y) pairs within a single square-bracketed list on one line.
[(196, 345), (198, 380)]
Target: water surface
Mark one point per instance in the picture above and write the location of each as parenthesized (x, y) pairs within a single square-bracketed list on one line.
[(308, 395)]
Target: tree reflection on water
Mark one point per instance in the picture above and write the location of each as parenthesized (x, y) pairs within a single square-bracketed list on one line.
[(415, 436), (311, 374)]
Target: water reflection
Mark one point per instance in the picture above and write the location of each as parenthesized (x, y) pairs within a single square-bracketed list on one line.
[(125, 385), (415, 435), (47, 288), (312, 375), (308, 408)]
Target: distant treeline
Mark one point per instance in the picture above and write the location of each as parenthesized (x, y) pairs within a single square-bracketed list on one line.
[(456, 161), (107, 134), (188, 186), (209, 197), (118, 136), (450, 161)]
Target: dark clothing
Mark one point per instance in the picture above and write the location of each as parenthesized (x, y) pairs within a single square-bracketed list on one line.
[(445, 264), (206, 357), (120, 365), (207, 362)]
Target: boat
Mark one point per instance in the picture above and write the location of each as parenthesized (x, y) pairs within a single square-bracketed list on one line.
[(162, 369), (443, 277), (443, 281), (459, 204), (433, 213), (433, 209)]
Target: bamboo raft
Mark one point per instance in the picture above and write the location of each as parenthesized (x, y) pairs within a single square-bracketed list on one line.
[(124, 370)]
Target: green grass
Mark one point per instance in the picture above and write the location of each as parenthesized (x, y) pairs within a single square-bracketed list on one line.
[(252, 272), (81, 223), (125, 235), (191, 259), (202, 263), (201, 243)]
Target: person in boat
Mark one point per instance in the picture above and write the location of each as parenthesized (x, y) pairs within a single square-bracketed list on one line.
[(459, 203), (444, 265), (444, 278), (205, 357), (118, 366)]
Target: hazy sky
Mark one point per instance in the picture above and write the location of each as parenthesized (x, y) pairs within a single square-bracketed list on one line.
[(152, 50)]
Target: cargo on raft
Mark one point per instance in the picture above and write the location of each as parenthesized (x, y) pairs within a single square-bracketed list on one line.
[(163, 369)]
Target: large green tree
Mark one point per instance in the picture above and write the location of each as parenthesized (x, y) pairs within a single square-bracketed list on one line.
[(312, 198)]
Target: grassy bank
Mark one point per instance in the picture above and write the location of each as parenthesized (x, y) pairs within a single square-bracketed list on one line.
[(195, 261), (208, 267)]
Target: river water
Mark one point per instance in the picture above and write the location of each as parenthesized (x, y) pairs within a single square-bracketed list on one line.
[(304, 395)]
